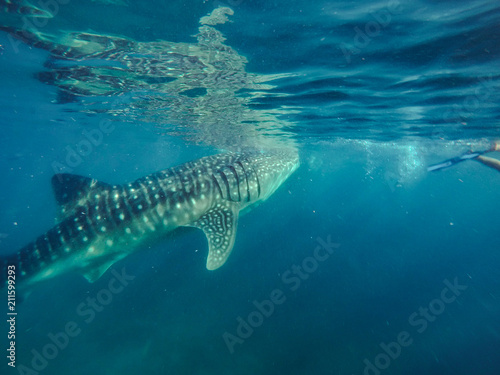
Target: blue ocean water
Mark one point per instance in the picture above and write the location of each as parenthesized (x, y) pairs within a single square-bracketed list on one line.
[(369, 92)]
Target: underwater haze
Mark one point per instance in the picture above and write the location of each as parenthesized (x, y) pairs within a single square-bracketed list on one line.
[(362, 261)]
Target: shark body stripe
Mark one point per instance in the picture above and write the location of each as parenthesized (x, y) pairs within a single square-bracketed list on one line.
[(102, 223)]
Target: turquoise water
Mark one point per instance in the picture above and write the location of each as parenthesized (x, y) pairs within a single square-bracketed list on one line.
[(370, 93)]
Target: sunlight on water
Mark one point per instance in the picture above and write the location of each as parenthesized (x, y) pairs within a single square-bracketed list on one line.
[(198, 91)]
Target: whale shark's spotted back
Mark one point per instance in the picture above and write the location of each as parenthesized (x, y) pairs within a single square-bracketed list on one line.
[(102, 223)]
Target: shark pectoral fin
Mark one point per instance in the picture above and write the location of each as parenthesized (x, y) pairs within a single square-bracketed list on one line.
[(219, 225)]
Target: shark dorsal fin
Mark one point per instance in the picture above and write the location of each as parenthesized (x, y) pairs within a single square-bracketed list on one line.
[(219, 225), (70, 190)]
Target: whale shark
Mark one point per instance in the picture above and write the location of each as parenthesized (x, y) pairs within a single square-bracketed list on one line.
[(101, 223)]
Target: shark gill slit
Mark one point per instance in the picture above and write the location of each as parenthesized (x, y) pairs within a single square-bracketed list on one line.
[(257, 180), (226, 182), (216, 183), (245, 174), (232, 169)]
